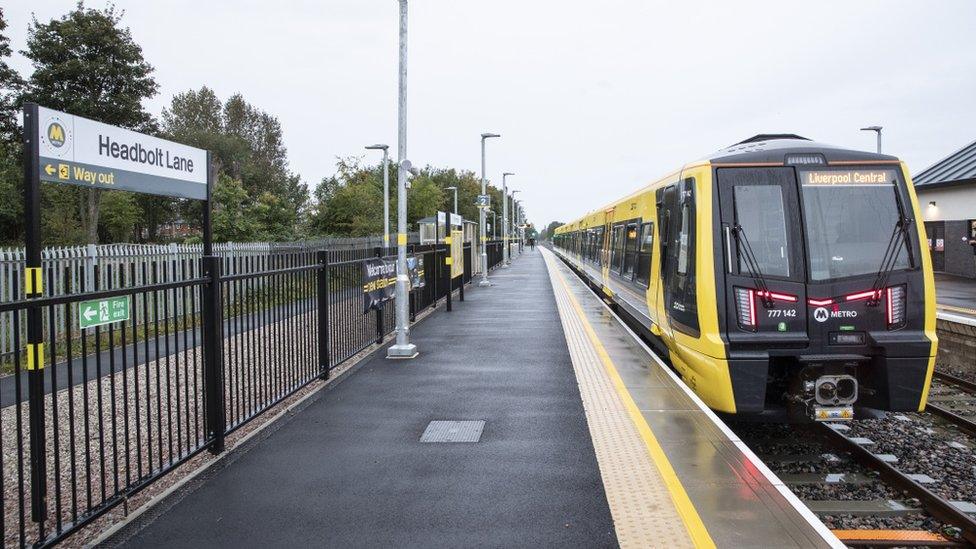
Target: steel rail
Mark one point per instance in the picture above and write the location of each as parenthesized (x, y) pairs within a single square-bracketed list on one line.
[(938, 507), (957, 381), (963, 423)]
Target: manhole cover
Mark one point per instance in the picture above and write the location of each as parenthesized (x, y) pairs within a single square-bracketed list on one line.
[(453, 431)]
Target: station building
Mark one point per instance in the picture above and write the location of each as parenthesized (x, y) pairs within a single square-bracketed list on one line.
[(947, 195)]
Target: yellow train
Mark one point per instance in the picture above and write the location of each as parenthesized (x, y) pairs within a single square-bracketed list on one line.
[(776, 274)]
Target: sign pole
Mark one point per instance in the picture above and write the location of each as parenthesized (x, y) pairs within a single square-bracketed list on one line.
[(402, 348), (34, 288), (215, 418)]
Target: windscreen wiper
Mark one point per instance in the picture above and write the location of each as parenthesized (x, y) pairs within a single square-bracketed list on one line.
[(899, 239), (752, 265)]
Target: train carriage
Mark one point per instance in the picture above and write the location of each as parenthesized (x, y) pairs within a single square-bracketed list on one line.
[(776, 274)]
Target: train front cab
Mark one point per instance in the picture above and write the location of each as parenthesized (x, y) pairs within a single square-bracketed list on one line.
[(820, 314)]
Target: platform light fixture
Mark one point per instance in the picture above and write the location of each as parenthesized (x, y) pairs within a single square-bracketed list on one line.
[(505, 232), (481, 214), (386, 191), (876, 129)]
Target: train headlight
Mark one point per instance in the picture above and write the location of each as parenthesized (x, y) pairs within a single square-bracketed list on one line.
[(745, 302), (896, 306)]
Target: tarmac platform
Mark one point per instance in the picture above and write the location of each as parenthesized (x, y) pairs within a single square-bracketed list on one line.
[(531, 417)]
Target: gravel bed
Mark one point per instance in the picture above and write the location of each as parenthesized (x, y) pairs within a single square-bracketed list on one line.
[(919, 445), (846, 492), (968, 375), (924, 446)]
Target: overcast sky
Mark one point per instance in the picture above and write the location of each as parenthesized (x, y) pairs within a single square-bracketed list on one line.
[(592, 98)]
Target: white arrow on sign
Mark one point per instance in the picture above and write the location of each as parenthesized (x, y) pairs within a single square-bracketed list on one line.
[(89, 313)]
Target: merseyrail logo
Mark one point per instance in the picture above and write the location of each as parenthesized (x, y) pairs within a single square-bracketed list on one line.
[(56, 135), (821, 314)]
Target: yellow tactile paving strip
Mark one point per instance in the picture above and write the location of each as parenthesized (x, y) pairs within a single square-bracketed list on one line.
[(648, 504)]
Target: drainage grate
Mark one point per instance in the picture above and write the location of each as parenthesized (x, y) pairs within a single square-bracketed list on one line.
[(453, 431)]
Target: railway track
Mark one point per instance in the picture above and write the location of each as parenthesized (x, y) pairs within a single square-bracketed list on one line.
[(958, 409), (863, 496)]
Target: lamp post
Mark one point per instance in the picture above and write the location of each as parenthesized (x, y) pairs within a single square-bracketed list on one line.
[(481, 214), (455, 197), (876, 129), (402, 348), (386, 192), (514, 217), (494, 225), (505, 259)]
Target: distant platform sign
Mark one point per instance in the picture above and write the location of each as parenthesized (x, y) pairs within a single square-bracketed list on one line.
[(78, 151)]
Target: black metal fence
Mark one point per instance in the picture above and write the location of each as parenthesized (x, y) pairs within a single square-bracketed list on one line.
[(123, 404)]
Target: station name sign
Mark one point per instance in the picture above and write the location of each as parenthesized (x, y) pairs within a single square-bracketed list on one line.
[(847, 177), (78, 151)]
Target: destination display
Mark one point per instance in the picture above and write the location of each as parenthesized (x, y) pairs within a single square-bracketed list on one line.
[(379, 282), (847, 177), (78, 151)]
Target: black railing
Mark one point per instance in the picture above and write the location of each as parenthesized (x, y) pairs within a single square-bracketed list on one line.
[(198, 356)]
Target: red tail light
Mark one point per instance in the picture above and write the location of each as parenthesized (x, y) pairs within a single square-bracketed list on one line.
[(820, 302), (863, 295), (780, 297)]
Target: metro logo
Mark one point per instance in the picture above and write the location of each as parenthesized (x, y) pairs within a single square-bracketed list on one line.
[(55, 134)]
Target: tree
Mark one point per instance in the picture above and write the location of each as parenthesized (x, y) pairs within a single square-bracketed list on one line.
[(232, 220), (550, 230), (11, 85), (87, 64), (11, 171), (246, 145), (119, 215)]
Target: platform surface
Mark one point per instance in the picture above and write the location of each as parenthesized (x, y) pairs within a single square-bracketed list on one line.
[(583, 440), (350, 470), (956, 295)]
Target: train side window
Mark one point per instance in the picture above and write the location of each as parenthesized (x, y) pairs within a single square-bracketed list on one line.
[(683, 239), (647, 238), (616, 248), (681, 296), (643, 276)]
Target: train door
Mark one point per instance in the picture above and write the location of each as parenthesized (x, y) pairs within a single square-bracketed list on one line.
[(762, 255), (677, 214), (605, 251)]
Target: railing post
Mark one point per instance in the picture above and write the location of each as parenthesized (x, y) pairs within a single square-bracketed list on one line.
[(213, 370), (34, 288), (323, 305), (446, 273)]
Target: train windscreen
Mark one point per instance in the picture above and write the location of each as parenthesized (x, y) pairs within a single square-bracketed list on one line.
[(850, 217)]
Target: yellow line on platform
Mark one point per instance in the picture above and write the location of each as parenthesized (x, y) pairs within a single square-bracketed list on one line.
[(955, 309), (689, 515)]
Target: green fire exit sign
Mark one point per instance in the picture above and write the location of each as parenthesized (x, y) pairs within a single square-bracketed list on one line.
[(99, 312)]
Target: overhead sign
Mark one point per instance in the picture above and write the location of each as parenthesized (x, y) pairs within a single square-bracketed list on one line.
[(483, 201), (79, 151), (99, 312), (455, 220), (442, 218), (379, 282)]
